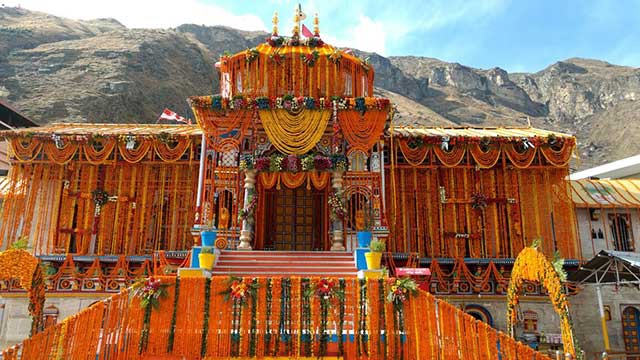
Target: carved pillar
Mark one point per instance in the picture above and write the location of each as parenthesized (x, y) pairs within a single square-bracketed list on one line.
[(338, 241), (246, 235)]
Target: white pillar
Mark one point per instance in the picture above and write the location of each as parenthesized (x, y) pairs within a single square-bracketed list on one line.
[(203, 156), (338, 241), (246, 235)]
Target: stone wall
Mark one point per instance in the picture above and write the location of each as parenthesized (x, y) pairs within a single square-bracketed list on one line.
[(590, 246), (15, 321)]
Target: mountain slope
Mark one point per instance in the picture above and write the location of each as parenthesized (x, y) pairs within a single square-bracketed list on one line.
[(56, 69)]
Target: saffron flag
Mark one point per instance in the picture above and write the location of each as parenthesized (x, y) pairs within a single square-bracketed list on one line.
[(306, 32), (170, 115)]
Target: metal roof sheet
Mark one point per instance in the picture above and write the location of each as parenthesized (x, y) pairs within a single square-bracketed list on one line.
[(106, 129), (504, 132), (606, 193)]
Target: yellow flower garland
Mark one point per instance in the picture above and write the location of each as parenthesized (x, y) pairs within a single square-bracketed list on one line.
[(294, 132), (532, 265)]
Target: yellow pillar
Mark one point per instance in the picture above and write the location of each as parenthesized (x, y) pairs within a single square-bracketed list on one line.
[(603, 320)]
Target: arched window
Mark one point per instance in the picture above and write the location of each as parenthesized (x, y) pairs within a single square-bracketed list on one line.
[(479, 312), (357, 161), (50, 316)]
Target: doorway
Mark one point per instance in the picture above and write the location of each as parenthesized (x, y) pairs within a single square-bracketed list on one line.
[(295, 219)]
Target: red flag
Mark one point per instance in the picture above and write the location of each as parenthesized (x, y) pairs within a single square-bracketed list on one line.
[(306, 32), (170, 115)]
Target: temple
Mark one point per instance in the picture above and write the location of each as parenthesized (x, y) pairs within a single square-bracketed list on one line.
[(294, 157)]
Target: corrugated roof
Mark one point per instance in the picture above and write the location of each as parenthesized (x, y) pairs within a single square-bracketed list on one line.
[(606, 193), (106, 129), (493, 132), (4, 186)]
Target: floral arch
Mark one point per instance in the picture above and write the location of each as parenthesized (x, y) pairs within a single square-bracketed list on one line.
[(532, 265), (22, 265)]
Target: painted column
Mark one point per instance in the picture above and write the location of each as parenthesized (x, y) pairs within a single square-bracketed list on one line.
[(338, 240), (246, 235), (603, 320)]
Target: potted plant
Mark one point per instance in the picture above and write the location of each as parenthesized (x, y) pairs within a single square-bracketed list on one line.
[(374, 257), (208, 235), (364, 225), (206, 257)]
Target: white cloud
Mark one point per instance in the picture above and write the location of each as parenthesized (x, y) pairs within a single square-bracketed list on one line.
[(146, 13), (366, 35)]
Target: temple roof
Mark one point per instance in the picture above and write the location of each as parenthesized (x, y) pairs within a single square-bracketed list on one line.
[(194, 130), (606, 193), (105, 130), (469, 132)]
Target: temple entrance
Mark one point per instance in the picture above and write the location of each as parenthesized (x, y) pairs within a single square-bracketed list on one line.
[(295, 219)]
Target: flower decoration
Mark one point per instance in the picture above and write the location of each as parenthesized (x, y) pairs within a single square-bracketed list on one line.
[(247, 162), (307, 163), (100, 197), (291, 163), (150, 291), (365, 64), (360, 104), (239, 289), (339, 162), (275, 163), (327, 289), (216, 102), (479, 201), (400, 290), (238, 102), (310, 58), (263, 164), (276, 57), (322, 162), (57, 140), (275, 40), (248, 212), (415, 143), (251, 54), (337, 203), (314, 41), (130, 142), (262, 102), (335, 56)]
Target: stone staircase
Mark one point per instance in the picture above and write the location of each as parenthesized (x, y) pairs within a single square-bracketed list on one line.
[(285, 263)]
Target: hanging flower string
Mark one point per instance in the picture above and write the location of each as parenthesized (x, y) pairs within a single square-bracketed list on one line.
[(149, 291), (337, 204), (479, 201), (239, 290), (327, 290), (100, 198)]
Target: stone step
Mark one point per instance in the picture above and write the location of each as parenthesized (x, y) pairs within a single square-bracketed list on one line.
[(284, 262), (299, 263)]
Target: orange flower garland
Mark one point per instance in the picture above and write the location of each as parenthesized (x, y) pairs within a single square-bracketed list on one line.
[(532, 265), (20, 264)]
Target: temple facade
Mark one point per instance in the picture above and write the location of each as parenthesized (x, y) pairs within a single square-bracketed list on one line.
[(294, 154)]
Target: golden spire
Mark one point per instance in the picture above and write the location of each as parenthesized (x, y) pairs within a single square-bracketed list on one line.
[(316, 25), (275, 23), (296, 21)]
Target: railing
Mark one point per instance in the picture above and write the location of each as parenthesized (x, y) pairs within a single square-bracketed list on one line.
[(286, 317)]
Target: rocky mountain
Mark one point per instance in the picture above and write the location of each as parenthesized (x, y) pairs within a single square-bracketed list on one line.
[(56, 69)]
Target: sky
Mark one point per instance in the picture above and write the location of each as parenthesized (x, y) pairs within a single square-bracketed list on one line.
[(516, 35)]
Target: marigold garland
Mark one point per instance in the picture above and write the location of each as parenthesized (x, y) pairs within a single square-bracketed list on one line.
[(532, 265), (20, 264)]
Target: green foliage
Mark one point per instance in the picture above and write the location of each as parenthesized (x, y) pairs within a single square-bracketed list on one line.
[(21, 244), (207, 250), (536, 243), (558, 266), (377, 246)]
